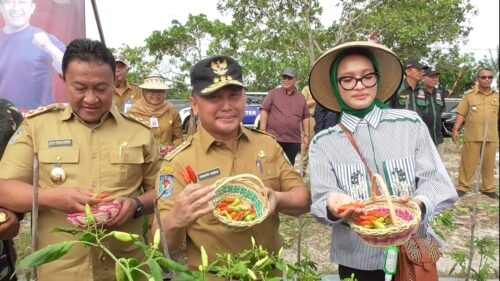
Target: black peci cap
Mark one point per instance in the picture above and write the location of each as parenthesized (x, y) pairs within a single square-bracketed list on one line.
[(213, 73)]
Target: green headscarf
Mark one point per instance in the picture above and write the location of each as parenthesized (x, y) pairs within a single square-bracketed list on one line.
[(336, 92)]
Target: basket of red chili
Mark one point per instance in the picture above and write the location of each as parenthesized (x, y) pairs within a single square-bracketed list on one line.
[(388, 220), (240, 201)]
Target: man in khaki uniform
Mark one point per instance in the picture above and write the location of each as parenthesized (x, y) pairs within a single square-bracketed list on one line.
[(479, 110), (311, 104), (221, 147), (126, 93), (83, 149)]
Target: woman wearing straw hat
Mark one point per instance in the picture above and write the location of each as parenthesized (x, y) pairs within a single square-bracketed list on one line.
[(356, 78), (162, 116)]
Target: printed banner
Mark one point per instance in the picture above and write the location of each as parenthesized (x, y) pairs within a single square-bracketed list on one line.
[(33, 37)]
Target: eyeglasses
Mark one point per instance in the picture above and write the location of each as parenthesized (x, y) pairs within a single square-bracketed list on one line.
[(286, 77), (485, 77), (368, 80)]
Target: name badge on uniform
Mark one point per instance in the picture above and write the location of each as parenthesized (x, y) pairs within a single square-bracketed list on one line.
[(153, 121)]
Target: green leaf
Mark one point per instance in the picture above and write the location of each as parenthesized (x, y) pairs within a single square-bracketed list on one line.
[(87, 237), (46, 255), (133, 265), (72, 231), (172, 265), (185, 276), (155, 269)]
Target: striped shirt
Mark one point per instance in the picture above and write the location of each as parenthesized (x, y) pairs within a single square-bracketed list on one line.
[(395, 144)]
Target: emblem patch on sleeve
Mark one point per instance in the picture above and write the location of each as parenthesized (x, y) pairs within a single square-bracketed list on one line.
[(166, 186), (16, 135)]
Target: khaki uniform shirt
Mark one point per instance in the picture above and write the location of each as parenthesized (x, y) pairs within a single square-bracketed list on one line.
[(256, 153), (307, 94), (169, 128), (478, 109), (132, 92), (117, 157)]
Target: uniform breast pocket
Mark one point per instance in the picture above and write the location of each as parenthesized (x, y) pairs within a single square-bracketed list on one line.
[(125, 164), (494, 108), (64, 161), (269, 174)]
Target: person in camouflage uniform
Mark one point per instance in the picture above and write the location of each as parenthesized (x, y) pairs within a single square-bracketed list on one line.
[(10, 119)]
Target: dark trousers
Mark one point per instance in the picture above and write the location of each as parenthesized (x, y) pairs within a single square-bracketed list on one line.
[(291, 150), (361, 275)]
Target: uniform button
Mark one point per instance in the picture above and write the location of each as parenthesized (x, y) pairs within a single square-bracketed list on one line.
[(93, 184), (94, 155)]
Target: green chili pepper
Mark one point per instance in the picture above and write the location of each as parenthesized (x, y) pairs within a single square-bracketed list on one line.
[(251, 274), (204, 257), (119, 273), (124, 236), (280, 253), (378, 225), (89, 215), (156, 239), (261, 261)]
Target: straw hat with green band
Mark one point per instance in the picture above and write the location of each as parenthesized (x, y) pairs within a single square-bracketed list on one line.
[(389, 69)]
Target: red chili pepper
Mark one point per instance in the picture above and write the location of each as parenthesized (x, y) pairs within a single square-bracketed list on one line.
[(345, 207), (102, 196), (192, 174), (368, 218), (184, 176)]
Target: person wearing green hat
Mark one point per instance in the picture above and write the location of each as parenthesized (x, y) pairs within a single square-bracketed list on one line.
[(356, 78)]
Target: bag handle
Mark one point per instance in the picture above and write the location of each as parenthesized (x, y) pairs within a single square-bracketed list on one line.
[(350, 137)]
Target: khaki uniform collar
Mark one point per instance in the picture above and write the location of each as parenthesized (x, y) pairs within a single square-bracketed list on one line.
[(113, 113), (206, 140), (127, 87), (478, 91)]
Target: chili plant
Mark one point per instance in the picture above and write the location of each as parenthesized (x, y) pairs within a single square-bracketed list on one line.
[(251, 264)]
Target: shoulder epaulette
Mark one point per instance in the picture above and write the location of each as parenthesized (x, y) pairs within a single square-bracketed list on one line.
[(136, 119), (178, 149), (473, 90), (44, 109), (258, 131)]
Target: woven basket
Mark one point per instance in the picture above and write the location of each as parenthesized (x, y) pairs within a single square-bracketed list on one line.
[(250, 190), (103, 213), (404, 217)]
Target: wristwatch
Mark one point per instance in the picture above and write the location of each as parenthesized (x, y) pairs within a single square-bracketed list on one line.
[(140, 208)]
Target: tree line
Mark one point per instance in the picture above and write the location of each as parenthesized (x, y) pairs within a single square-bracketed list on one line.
[(267, 36)]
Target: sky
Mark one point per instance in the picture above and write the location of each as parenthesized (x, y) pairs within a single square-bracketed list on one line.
[(131, 22)]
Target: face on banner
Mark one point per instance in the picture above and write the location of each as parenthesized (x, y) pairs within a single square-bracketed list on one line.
[(16, 13), (33, 40)]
